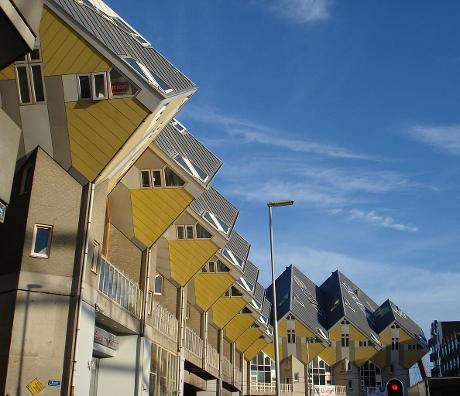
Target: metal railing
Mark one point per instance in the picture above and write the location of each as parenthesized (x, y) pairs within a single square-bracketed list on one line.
[(238, 381), (193, 343), (164, 321), (119, 288), (212, 357), (270, 388), (330, 390), (227, 369)]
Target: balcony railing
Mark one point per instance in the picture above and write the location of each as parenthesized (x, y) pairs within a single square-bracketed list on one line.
[(119, 288), (331, 390), (212, 357), (193, 343), (270, 388), (227, 369), (164, 321)]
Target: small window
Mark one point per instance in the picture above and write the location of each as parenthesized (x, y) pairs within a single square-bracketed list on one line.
[(37, 85), (171, 179), (350, 385), (221, 267), (145, 179), (23, 84), (212, 266), (99, 86), (202, 233), (345, 340), (26, 179), (158, 285), (41, 242), (150, 303), (95, 257), (189, 230), (156, 178), (120, 86), (30, 82), (291, 336), (180, 232), (84, 87)]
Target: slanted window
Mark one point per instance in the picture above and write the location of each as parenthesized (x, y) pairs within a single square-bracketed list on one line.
[(99, 81), (120, 85), (41, 242), (146, 182), (84, 87), (233, 292), (216, 222), (156, 178), (171, 179), (26, 179), (178, 126), (159, 282), (149, 75), (345, 340), (180, 232), (215, 267), (29, 73), (95, 256), (191, 168), (395, 344), (202, 233), (291, 336)]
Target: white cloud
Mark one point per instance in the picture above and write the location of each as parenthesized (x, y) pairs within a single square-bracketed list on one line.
[(424, 294), (381, 221), (252, 132), (301, 11), (443, 137)]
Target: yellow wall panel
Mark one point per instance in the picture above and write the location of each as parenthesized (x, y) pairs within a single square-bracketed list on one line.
[(238, 325), (313, 350), (385, 337), (209, 287), (225, 309), (329, 355), (282, 328), (246, 339), (155, 210), (8, 73), (255, 348), (269, 350), (302, 331), (335, 334), (355, 334), (405, 338), (97, 131), (64, 51), (363, 354), (187, 257), (380, 358), (412, 357)]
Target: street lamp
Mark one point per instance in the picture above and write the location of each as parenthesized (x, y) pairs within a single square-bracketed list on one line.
[(271, 205)]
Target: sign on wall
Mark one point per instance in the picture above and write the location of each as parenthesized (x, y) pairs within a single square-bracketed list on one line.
[(35, 387)]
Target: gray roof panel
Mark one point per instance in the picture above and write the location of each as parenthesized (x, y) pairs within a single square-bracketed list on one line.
[(174, 143), (259, 294), (122, 43), (239, 247), (266, 309), (250, 275)]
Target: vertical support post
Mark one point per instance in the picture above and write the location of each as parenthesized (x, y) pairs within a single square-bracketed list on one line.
[(274, 306), (233, 359), (204, 337), (181, 313), (220, 349)]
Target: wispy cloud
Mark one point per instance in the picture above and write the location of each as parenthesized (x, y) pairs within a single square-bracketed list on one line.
[(442, 137), (381, 221), (301, 11), (252, 132), (423, 293)]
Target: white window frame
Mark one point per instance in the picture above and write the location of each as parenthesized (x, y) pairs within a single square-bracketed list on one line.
[(79, 86), (95, 257), (40, 255), (142, 181), (162, 178), (177, 232), (109, 86), (28, 63), (93, 86), (160, 293), (196, 233)]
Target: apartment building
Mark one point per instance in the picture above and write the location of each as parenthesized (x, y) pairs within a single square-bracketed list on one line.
[(122, 271), (445, 348), (335, 337)]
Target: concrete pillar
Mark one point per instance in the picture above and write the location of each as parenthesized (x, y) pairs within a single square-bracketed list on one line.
[(233, 358), (181, 313), (220, 349), (204, 336)]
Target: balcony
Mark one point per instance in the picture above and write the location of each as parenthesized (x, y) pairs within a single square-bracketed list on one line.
[(119, 288), (238, 381), (262, 388), (227, 370), (212, 360), (193, 347), (165, 326)]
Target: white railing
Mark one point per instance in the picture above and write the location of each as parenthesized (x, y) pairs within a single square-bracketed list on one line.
[(238, 377), (330, 390), (119, 288), (212, 357), (193, 343), (270, 388), (227, 369), (164, 321)]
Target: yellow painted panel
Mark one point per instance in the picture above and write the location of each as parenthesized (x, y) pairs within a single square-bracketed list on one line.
[(302, 331), (238, 325), (335, 334), (405, 338), (380, 358), (187, 257), (269, 350), (97, 131), (385, 336), (64, 51), (363, 354), (411, 357), (155, 210), (255, 348), (225, 309), (329, 355), (209, 287), (282, 328), (355, 334), (246, 339), (313, 350), (8, 73)]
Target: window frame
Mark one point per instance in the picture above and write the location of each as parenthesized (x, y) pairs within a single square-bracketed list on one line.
[(28, 63), (162, 178), (34, 239), (90, 86), (96, 246), (161, 292), (93, 86), (141, 180), (109, 86)]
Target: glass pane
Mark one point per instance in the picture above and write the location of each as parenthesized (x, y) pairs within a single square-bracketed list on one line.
[(42, 237), (145, 179), (180, 232), (202, 233), (156, 177), (24, 94), (35, 55), (38, 83), (85, 87), (189, 232), (158, 284), (120, 85), (100, 87), (212, 266), (171, 179)]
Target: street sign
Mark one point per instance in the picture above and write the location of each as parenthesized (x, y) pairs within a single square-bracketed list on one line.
[(54, 383), (35, 387)]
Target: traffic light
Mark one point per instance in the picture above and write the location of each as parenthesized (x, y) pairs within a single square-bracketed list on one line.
[(395, 388)]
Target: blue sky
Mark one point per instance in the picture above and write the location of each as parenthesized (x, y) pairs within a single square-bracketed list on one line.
[(349, 108)]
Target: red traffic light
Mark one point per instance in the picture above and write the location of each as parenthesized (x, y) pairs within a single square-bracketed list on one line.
[(394, 387)]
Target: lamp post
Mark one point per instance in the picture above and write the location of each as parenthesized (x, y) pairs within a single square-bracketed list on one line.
[(275, 314), (308, 340)]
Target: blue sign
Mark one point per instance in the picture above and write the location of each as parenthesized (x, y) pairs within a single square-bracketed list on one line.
[(54, 383)]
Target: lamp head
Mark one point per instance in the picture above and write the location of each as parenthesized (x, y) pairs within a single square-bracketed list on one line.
[(280, 203)]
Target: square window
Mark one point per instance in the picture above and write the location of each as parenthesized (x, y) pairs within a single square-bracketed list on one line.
[(156, 178), (145, 179), (189, 232), (84, 87), (41, 242), (180, 232)]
